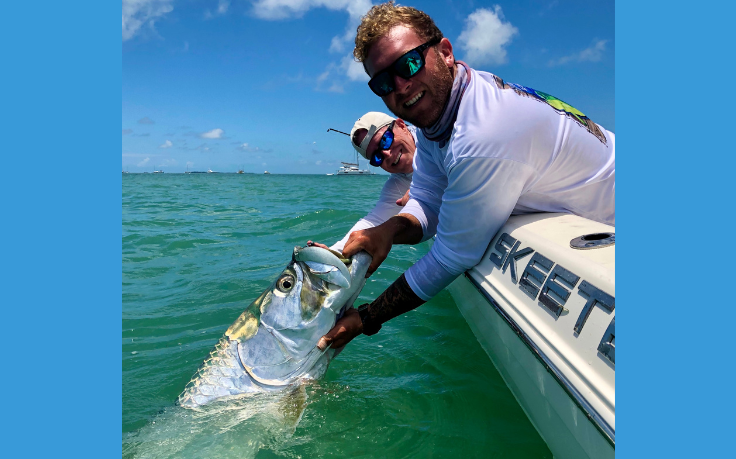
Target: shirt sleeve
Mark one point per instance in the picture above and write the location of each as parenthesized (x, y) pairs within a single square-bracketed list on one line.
[(394, 188), (480, 196), (427, 187)]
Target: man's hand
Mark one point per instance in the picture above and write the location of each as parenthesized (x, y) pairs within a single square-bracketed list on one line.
[(403, 200), (347, 328), (376, 241), (316, 244), (399, 229)]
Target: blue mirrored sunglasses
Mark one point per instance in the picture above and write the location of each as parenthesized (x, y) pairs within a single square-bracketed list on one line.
[(387, 139)]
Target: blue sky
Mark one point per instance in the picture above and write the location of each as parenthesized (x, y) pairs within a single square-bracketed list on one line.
[(256, 84)]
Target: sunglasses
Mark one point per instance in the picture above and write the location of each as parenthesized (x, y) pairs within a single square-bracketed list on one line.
[(382, 84), (387, 139)]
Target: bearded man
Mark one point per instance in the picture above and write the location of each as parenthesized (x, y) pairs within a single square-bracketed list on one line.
[(486, 149)]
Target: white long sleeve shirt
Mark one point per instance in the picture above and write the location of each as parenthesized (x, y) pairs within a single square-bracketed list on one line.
[(513, 150), (394, 189)]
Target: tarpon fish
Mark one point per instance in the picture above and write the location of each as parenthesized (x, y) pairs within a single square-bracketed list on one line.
[(273, 343)]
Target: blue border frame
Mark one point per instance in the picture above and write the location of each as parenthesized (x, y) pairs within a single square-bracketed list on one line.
[(674, 131), (61, 230), (61, 296)]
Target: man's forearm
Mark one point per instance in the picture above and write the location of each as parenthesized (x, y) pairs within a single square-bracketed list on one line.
[(396, 300), (405, 228)]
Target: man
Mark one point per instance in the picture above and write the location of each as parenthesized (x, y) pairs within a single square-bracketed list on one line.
[(390, 144), (486, 149)]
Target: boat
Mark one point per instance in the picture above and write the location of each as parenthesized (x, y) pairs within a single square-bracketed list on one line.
[(541, 302), (266, 172), (158, 171), (240, 171), (352, 169), (210, 171)]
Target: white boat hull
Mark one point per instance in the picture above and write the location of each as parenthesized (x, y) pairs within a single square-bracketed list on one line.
[(560, 368)]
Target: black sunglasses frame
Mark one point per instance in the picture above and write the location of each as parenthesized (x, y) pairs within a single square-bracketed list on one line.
[(392, 69), (377, 156)]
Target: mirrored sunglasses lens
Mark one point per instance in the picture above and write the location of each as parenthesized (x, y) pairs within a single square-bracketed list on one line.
[(381, 84), (409, 64), (376, 160), (386, 140)]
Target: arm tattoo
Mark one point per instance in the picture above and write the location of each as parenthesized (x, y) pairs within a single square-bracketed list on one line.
[(396, 300)]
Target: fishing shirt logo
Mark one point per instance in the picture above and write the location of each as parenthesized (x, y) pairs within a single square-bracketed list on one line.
[(561, 107)]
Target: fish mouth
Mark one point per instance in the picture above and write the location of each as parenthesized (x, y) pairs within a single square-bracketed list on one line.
[(324, 257), (414, 99)]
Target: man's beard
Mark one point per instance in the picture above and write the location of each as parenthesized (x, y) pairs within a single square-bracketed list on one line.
[(441, 81)]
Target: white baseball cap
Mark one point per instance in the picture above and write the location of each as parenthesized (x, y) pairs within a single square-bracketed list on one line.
[(372, 122)]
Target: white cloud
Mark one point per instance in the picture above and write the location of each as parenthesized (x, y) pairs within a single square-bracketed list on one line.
[(347, 67), (213, 134), (354, 70), (592, 53), (335, 74), (252, 149), (485, 37), (144, 162), (137, 13), (166, 144), (284, 9), (222, 7)]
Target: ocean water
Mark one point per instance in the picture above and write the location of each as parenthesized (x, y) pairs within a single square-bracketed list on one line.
[(197, 249)]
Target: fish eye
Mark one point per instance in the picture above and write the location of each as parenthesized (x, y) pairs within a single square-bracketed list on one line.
[(285, 283)]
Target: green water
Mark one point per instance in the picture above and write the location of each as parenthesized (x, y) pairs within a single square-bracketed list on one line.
[(197, 249)]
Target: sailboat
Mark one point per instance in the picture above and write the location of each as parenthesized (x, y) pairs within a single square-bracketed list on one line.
[(350, 168)]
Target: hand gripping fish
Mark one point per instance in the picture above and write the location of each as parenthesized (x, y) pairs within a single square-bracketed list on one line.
[(273, 343)]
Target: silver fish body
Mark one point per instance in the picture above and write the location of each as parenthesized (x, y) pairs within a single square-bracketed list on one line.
[(272, 344)]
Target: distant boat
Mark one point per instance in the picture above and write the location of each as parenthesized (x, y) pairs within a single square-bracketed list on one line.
[(266, 172), (330, 174), (240, 171), (210, 171), (158, 172), (352, 169)]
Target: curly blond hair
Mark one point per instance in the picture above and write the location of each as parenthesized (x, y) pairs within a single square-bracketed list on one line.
[(380, 19)]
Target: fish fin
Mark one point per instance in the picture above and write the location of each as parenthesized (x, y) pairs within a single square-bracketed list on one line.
[(292, 407)]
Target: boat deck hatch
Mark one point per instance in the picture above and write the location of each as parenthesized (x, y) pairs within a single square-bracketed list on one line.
[(593, 241)]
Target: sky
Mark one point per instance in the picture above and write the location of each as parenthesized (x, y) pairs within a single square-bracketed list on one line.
[(255, 84)]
